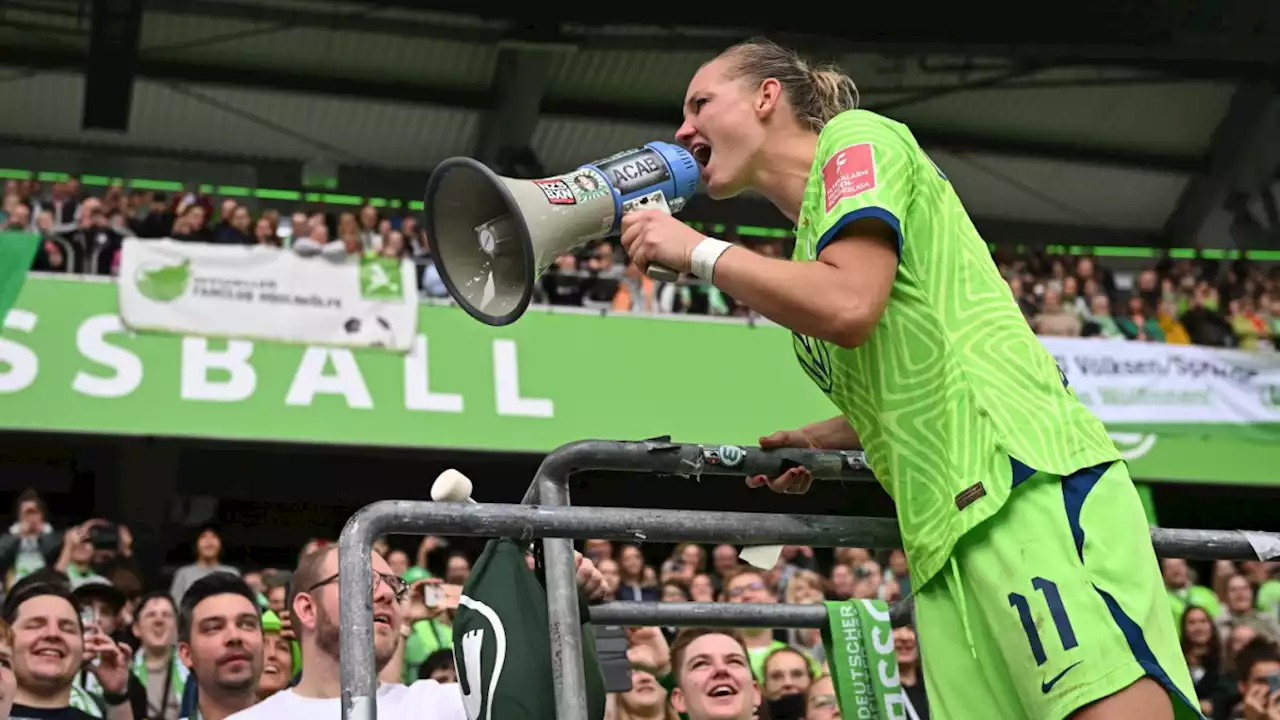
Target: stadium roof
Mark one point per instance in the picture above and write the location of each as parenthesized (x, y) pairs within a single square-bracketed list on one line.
[(1156, 142)]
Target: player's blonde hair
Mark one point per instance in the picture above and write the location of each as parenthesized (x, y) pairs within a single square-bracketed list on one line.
[(817, 93)]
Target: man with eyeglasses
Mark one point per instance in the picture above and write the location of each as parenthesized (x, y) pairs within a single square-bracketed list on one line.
[(748, 585), (314, 604)]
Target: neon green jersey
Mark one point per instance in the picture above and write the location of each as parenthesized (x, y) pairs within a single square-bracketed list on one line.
[(953, 384)]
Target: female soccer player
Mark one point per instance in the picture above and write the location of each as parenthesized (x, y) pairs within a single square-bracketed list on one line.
[(1038, 593)]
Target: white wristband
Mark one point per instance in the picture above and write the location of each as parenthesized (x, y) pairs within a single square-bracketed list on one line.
[(702, 263)]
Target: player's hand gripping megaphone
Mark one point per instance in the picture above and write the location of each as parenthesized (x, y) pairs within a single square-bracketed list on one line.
[(492, 236)]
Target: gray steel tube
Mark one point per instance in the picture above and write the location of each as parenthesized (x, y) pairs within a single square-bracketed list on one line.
[(663, 457), (567, 671), (524, 521), (732, 615)]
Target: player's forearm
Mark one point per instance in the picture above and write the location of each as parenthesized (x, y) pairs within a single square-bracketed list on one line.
[(811, 298), (833, 434)]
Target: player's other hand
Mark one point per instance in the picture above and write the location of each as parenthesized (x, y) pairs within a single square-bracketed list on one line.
[(652, 236), (795, 481)]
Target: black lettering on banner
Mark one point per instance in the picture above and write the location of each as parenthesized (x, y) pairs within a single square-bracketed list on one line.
[(557, 192), (636, 170), (815, 358)]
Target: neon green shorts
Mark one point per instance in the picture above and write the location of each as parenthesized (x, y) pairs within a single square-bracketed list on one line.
[(1053, 603)]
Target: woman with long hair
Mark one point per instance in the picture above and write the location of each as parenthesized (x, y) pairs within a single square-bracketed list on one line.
[(898, 314), (633, 573), (1203, 650), (646, 700)]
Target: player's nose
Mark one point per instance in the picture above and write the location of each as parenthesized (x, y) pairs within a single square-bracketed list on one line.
[(686, 133)]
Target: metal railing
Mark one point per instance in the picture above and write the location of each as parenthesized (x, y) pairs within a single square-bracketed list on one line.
[(558, 525)]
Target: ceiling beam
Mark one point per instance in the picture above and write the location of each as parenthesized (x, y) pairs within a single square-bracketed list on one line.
[(520, 80), (1246, 129), (483, 100)]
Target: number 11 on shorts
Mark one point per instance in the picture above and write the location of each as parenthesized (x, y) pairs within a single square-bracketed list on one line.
[(1053, 599)]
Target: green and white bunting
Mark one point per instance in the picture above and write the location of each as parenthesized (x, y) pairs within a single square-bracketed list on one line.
[(265, 293)]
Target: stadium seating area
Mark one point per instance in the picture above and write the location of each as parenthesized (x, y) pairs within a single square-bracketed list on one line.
[(1202, 300)]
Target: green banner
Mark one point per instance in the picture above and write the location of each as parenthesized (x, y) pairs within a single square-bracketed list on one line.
[(67, 364), (17, 250), (864, 666)]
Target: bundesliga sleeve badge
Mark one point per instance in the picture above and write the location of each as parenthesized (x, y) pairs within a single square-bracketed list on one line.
[(849, 173)]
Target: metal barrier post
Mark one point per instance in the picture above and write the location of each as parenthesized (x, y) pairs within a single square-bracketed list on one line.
[(550, 487), (355, 551), (355, 548)]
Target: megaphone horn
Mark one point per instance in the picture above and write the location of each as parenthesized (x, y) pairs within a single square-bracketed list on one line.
[(492, 236)]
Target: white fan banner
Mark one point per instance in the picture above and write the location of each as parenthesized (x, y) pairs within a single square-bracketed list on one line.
[(265, 293), (1128, 382)]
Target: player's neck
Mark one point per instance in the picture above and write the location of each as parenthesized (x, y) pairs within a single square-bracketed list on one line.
[(783, 171), (58, 699), (321, 676), (216, 704)]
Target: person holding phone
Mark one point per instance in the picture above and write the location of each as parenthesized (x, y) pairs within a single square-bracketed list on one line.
[(50, 647)]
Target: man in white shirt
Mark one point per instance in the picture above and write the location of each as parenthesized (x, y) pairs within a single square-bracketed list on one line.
[(315, 622)]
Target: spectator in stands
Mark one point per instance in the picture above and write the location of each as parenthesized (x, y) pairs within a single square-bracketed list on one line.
[(1239, 607), (31, 543), (157, 222), (277, 657), (189, 224), (314, 604), (561, 283), (749, 585), (1054, 319), (820, 701), (1249, 327), (220, 640), (50, 647), (724, 562), (235, 227), (156, 664), (1183, 592), (1137, 322), (371, 236), (713, 677), (8, 681), (393, 245), (1203, 321), (1175, 333), (787, 671), (439, 666), (208, 561), (63, 204), (634, 583), (702, 588), (604, 275), (612, 577), (93, 244), (18, 217), (1257, 663), (457, 568), (1203, 652), (910, 671)]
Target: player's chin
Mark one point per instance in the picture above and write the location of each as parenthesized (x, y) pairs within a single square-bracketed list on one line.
[(723, 190)]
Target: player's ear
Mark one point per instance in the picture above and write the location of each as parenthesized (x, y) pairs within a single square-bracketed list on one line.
[(768, 97)]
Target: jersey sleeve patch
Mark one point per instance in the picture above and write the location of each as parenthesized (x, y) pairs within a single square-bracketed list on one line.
[(849, 173)]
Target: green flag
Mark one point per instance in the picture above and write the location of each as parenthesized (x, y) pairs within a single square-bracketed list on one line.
[(502, 644), (17, 250), (864, 666)]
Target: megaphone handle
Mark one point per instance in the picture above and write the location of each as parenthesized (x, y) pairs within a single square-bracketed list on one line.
[(662, 273)]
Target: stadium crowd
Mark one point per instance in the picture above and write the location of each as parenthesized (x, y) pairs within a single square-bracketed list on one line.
[(87, 633), (1203, 302)]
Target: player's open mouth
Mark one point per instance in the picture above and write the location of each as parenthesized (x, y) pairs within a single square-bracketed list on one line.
[(382, 618), (701, 152)]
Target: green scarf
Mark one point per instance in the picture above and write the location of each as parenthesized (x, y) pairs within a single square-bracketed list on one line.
[(864, 666)]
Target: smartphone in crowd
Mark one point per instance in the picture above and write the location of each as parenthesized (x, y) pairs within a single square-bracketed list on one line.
[(611, 650)]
